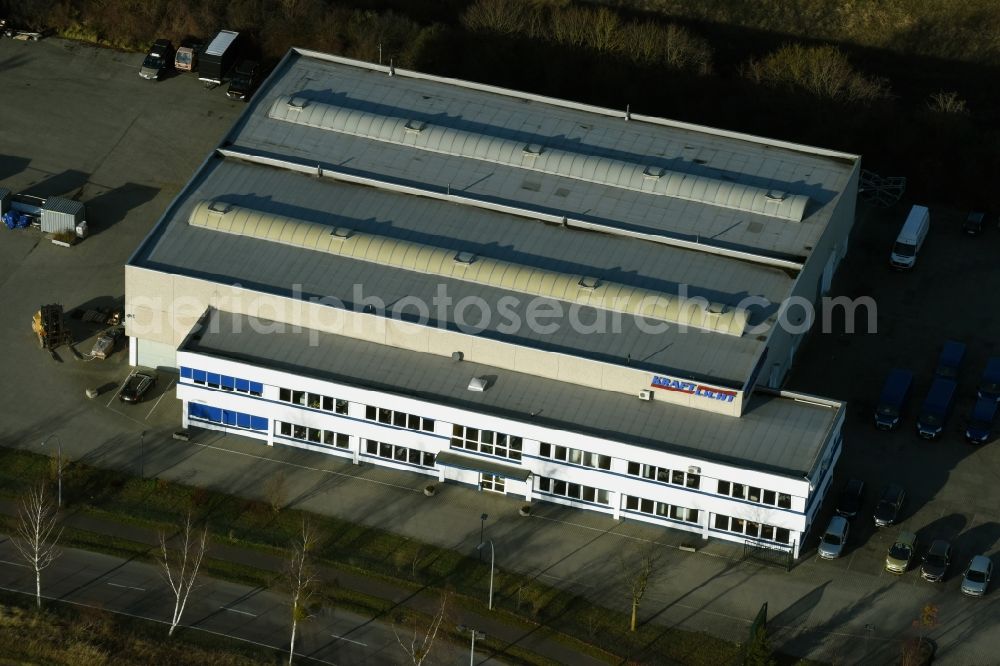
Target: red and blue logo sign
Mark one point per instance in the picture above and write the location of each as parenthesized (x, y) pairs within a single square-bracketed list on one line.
[(692, 388)]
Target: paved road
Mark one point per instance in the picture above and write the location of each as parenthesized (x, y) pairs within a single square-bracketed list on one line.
[(126, 146), (257, 615)]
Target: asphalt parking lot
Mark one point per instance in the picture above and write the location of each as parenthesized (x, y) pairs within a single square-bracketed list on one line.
[(78, 121)]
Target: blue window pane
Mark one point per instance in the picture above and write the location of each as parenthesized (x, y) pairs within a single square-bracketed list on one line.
[(242, 420), (213, 378), (198, 375), (256, 387), (228, 417), (227, 382), (212, 413), (196, 410), (258, 423), (242, 385), (185, 373)]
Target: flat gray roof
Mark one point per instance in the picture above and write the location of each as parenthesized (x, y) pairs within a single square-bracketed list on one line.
[(775, 434), (275, 268), (550, 124), (474, 129)]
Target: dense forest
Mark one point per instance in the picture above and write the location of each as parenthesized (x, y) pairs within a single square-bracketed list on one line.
[(909, 84)]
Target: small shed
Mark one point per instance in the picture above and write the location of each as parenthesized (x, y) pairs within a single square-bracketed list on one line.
[(61, 215)]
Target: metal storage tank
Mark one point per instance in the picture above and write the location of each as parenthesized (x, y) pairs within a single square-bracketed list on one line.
[(61, 215)]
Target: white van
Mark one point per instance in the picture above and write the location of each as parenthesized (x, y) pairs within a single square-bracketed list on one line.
[(911, 238)]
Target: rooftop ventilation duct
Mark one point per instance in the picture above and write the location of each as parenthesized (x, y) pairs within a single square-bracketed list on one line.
[(536, 157), (469, 267), (478, 384)]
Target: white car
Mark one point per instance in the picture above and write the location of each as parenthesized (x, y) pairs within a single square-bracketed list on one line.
[(831, 545), (977, 576)]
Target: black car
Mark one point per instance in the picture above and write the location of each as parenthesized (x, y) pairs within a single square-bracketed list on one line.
[(851, 498), (244, 80), (936, 561), (889, 505), (137, 386), (973, 223), (159, 59)]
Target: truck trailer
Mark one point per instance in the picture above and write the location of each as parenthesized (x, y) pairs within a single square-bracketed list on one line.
[(218, 58)]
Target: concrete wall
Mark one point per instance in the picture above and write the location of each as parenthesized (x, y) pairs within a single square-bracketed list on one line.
[(163, 308)]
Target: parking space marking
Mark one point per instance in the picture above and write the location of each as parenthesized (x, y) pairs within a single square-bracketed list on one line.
[(236, 610), (15, 564), (120, 387), (157, 403), (342, 638), (128, 587)]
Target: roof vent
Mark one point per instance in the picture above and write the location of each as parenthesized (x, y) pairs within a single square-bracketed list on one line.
[(532, 149), (219, 207), (589, 283), (457, 356), (297, 103), (414, 126), (776, 195), (465, 258), (646, 395), (341, 233), (478, 384), (715, 309), (652, 173)]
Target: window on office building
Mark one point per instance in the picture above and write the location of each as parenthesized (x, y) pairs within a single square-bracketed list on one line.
[(676, 477), (575, 456), (486, 441), (313, 400), (399, 453), (223, 382), (572, 490), (661, 509), (753, 494), (398, 419), (313, 435), (751, 529), (491, 482)]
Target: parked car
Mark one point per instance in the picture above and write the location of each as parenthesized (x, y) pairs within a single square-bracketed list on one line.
[(186, 59), (911, 238), (936, 561), (950, 360), (137, 386), (831, 544), (893, 397), (977, 576), (889, 505), (244, 80), (936, 407), (980, 427), (851, 498), (989, 385), (897, 560), (158, 60), (973, 223)]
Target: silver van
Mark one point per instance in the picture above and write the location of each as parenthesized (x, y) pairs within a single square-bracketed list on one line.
[(911, 238)]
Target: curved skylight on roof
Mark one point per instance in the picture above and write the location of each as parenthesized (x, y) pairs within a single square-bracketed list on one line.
[(537, 157), (469, 267)]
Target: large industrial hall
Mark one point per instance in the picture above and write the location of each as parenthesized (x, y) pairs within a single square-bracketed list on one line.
[(520, 294)]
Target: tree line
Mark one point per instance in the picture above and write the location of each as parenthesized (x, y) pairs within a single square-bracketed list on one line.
[(808, 71)]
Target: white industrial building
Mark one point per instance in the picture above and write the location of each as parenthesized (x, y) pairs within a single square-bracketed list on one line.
[(530, 296)]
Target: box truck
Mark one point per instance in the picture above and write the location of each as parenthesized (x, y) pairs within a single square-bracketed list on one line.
[(218, 58), (911, 238)]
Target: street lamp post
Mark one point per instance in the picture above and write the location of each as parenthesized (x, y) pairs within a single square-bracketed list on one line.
[(492, 562), (475, 634), (58, 464), (482, 530)]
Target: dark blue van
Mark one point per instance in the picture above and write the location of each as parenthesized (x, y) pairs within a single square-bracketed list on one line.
[(937, 405), (989, 387), (981, 421), (893, 397), (950, 360)]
